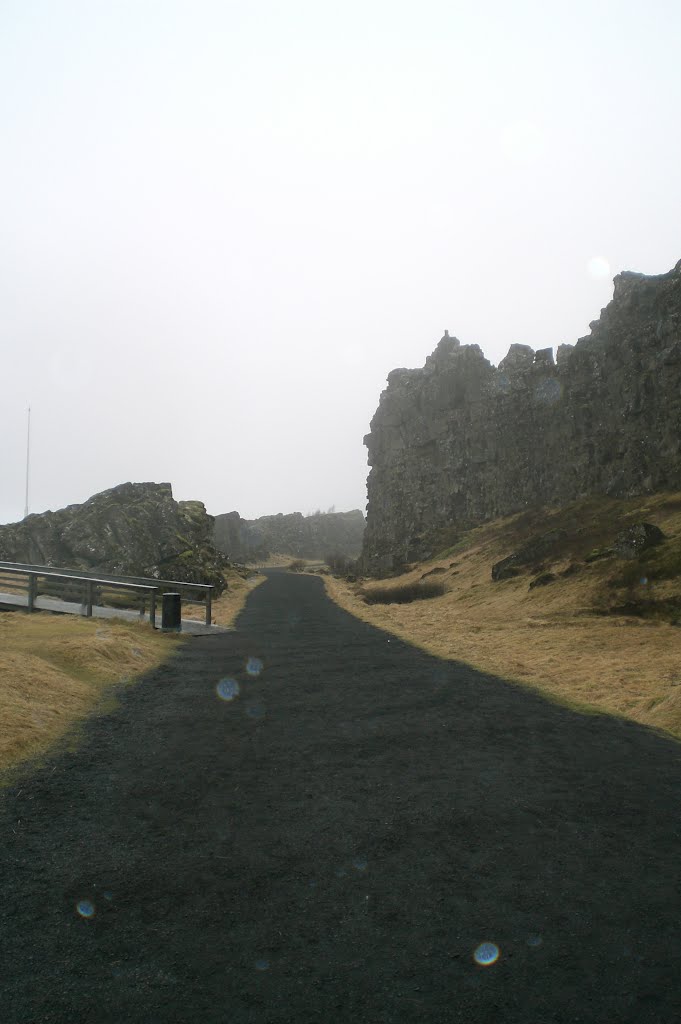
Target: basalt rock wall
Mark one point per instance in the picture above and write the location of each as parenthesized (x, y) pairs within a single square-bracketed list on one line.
[(461, 441), (315, 536)]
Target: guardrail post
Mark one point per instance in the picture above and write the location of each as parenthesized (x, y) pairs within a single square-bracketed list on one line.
[(88, 599), (152, 607), (208, 606), (32, 590)]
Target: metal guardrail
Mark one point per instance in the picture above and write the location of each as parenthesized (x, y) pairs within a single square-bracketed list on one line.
[(204, 590), (89, 584)]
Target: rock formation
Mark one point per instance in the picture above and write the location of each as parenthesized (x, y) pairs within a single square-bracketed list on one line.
[(230, 535), (297, 535), (460, 441), (132, 529)]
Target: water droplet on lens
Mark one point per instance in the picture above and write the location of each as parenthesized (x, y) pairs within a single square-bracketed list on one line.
[(227, 689), (262, 965), (598, 268), (85, 908), (486, 953), (254, 667)]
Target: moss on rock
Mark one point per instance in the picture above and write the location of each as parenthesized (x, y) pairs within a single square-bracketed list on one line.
[(135, 529)]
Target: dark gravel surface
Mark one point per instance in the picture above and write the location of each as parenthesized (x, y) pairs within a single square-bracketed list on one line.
[(335, 842)]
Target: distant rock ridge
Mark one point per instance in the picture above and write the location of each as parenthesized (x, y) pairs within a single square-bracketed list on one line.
[(459, 441), (135, 529), (315, 536)]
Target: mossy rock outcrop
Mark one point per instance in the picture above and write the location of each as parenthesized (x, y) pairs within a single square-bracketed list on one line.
[(135, 529)]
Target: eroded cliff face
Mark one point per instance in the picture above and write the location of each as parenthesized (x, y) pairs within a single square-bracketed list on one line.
[(134, 529), (315, 536), (460, 441)]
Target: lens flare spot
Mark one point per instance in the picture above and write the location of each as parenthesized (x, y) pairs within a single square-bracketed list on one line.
[(262, 965), (254, 667), (85, 908), (486, 954), (598, 268), (227, 689)]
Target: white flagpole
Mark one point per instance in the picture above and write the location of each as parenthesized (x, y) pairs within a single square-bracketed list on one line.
[(28, 457)]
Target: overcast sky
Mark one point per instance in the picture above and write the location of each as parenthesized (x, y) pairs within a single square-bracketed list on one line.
[(224, 223)]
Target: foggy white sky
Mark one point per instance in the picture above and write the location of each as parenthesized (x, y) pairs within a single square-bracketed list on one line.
[(223, 223)]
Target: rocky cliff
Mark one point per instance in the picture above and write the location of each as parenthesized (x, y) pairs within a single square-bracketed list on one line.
[(132, 529), (459, 441), (300, 536)]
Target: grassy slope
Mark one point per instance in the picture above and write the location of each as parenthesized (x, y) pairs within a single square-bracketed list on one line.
[(567, 639), (56, 669)]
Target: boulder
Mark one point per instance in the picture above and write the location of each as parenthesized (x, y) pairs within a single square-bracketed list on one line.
[(632, 541), (506, 569)]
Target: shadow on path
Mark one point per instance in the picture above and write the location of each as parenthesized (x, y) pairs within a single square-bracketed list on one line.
[(334, 843)]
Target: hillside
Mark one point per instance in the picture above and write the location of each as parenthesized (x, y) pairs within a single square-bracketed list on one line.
[(586, 604)]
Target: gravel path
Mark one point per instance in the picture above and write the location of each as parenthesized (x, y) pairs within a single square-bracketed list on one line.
[(334, 843)]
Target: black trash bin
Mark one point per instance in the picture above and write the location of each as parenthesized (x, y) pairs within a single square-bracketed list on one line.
[(171, 615)]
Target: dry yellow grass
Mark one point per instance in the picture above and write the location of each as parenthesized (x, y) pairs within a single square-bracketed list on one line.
[(273, 561), (548, 638), (225, 609), (56, 669)]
